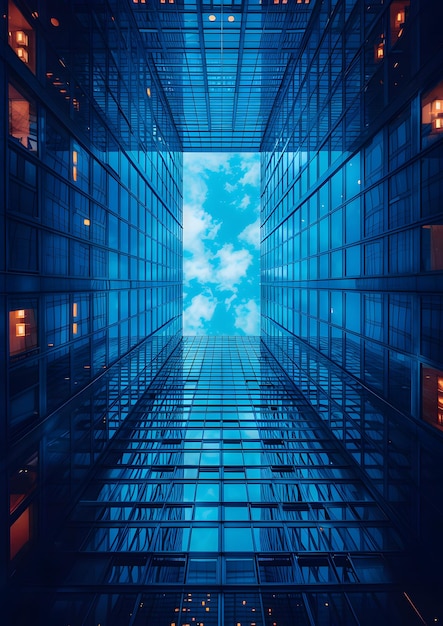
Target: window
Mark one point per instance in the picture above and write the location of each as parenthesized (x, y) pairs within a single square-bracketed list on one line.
[(432, 327), (374, 211), (432, 396), (432, 114), (20, 532), (22, 240), (22, 331), (432, 247), (56, 147), (398, 15), (22, 119), (21, 36), (21, 485)]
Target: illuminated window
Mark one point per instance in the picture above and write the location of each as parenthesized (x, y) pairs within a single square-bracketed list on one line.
[(432, 113), (74, 165), (22, 119), (397, 18), (22, 331), (20, 532), (379, 50), (432, 396), (21, 36), (22, 484)]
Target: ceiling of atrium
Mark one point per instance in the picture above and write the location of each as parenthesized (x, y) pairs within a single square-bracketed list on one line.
[(221, 65)]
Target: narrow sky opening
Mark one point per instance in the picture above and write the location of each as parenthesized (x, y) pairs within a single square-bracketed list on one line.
[(221, 242)]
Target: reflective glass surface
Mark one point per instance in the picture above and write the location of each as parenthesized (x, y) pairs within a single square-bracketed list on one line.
[(222, 493)]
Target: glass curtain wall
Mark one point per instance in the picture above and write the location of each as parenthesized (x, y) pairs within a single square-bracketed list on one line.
[(350, 215), (92, 232), (225, 499)]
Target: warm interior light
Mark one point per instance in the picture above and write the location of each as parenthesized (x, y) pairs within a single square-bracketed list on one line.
[(20, 330), (74, 328), (23, 54), (21, 38), (400, 18), (212, 18), (148, 91), (87, 222), (74, 165), (55, 22), (438, 123), (437, 106), (380, 51), (231, 18), (20, 314), (20, 532), (74, 309)]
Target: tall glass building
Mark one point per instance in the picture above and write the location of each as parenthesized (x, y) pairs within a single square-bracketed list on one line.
[(289, 479)]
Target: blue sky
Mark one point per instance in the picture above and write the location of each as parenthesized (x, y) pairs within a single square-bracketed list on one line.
[(221, 241)]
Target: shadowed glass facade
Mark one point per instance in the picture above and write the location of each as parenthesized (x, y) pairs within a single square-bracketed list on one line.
[(290, 479), (225, 499)]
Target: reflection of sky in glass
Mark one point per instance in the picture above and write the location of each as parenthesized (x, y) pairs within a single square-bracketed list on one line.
[(225, 486), (204, 540)]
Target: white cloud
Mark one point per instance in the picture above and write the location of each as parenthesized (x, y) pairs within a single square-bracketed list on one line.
[(196, 190), (211, 265), (233, 266), (200, 267), (230, 300), (198, 225), (201, 310), (230, 188), (247, 317), (250, 165), (201, 162), (251, 234), (246, 201)]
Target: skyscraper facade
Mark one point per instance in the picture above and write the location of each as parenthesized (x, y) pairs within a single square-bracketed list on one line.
[(292, 478)]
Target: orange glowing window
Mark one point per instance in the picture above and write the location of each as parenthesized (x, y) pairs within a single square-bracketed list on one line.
[(432, 112), (20, 532), (397, 17), (22, 119), (379, 51), (74, 165), (21, 36), (432, 396), (22, 331)]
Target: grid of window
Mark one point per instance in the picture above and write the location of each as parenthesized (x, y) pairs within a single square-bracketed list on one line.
[(224, 479), (98, 226), (341, 209)]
